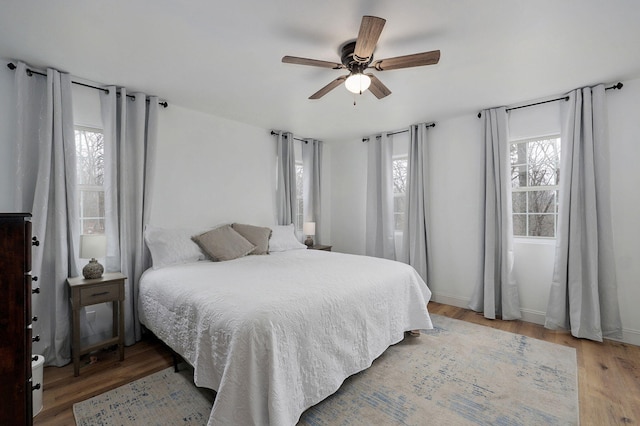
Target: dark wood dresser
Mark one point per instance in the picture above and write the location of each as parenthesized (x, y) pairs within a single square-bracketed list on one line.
[(15, 319)]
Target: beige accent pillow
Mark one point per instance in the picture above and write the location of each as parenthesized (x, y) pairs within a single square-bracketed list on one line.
[(256, 235), (223, 243)]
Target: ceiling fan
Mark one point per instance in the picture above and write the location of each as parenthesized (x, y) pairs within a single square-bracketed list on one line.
[(357, 57)]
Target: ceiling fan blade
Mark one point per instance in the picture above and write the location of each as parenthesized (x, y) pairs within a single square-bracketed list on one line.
[(370, 30), (407, 61), (312, 62), (378, 89), (329, 87)]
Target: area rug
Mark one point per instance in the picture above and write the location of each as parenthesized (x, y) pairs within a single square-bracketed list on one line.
[(456, 374)]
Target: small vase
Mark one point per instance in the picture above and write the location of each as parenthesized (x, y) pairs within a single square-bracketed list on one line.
[(92, 270)]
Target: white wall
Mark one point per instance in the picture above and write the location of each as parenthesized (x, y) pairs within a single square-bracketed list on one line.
[(211, 170), (455, 155), (7, 134), (624, 131)]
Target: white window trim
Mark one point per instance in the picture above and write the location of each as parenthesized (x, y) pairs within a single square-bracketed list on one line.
[(532, 239)]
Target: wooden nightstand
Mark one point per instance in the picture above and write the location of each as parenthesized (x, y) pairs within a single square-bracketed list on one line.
[(320, 247), (108, 288)]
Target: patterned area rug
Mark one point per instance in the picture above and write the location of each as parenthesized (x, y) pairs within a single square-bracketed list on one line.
[(459, 373)]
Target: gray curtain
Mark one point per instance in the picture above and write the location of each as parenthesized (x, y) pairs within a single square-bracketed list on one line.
[(311, 188), (286, 183), (380, 227), (584, 294), (415, 238), (46, 176), (130, 134), (496, 293)]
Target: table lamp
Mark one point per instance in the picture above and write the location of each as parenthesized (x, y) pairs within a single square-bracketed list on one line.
[(93, 246), (309, 229)]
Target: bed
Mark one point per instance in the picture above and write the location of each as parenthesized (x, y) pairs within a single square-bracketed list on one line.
[(278, 333)]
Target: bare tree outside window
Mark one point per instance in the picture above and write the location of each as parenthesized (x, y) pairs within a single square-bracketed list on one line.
[(399, 190), (90, 177), (299, 198), (535, 175)]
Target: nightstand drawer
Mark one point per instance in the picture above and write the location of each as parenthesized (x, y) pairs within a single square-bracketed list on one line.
[(99, 294)]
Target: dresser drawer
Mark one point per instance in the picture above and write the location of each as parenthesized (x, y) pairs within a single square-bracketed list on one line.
[(99, 294)]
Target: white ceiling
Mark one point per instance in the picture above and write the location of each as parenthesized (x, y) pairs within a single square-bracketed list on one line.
[(224, 58)]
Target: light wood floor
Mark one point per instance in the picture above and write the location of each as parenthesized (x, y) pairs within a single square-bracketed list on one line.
[(608, 373)]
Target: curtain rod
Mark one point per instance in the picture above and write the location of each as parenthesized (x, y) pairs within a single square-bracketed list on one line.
[(618, 86), (398, 132), (30, 72), (294, 138)]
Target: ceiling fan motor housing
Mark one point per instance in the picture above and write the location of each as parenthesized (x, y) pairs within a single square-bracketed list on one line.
[(350, 61)]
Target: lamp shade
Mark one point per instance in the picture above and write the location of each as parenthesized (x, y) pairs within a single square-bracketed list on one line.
[(357, 83), (93, 246), (309, 228)]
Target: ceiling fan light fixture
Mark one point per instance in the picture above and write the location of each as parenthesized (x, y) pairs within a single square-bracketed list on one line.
[(357, 83)]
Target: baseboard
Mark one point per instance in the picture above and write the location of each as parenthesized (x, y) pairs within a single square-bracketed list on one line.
[(629, 336), (458, 302), (530, 315)]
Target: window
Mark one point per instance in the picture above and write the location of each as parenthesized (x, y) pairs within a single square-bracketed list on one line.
[(399, 190), (299, 219), (90, 176), (535, 174)]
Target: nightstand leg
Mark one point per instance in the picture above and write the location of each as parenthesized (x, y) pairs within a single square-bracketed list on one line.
[(75, 348), (121, 330)]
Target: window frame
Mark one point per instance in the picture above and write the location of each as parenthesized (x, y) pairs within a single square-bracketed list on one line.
[(530, 189), (83, 189), (396, 195), (299, 214)]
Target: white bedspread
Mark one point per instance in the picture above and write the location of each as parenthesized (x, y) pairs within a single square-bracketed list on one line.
[(277, 334)]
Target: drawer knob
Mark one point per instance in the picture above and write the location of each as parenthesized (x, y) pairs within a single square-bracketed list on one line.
[(36, 387), (35, 291), (34, 319), (102, 293), (34, 358), (34, 278), (36, 339), (35, 242)]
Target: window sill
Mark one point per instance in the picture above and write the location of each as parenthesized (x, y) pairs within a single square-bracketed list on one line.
[(545, 241)]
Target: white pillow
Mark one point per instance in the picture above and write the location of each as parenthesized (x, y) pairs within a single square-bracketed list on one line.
[(283, 238), (172, 246)]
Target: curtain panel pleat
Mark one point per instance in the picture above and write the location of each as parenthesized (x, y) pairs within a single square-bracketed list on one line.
[(311, 188), (496, 293), (46, 186), (286, 179), (380, 226), (415, 238), (583, 296), (130, 132)]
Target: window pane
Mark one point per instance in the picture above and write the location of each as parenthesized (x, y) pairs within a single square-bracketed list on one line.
[(542, 201), (519, 202), (398, 211), (542, 225), (400, 175), (90, 175), (519, 176), (518, 157), (93, 226), (90, 157), (519, 225), (543, 158), (535, 164), (92, 204)]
